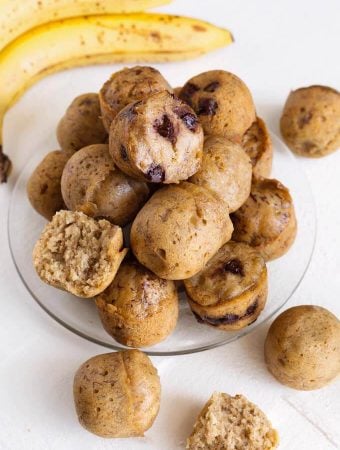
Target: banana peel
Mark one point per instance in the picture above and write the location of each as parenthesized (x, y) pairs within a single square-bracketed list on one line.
[(19, 16), (100, 39)]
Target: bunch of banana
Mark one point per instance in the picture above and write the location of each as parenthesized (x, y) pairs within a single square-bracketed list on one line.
[(95, 39)]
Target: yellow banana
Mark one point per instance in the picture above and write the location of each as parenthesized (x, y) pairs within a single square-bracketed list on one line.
[(19, 16), (100, 39)]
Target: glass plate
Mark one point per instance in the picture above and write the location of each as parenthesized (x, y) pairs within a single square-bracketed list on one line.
[(80, 315)]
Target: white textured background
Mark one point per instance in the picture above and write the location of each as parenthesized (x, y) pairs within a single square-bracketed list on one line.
[(280, 45)]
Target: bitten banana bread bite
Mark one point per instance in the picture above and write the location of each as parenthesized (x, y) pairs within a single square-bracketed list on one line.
[(81, 124), (179, 229), (257, 144), (310, 122), (93, 184), (302, 348), (222, 102), (78, 254), (158, 139), (127, 86), (226, 169), (266, 221), (117, 394), (138, 308), (43, 186), (231, 291), (232, 423)]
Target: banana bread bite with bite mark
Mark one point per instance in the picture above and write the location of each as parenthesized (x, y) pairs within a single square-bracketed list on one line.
[(43, 187), (266, 221), (138, 308), (81, 124), (91, 183), (231, 290), (226, 170), (222, 102), (179, 229), (127, 86), (158, 140), (78, 254), (117, 394)]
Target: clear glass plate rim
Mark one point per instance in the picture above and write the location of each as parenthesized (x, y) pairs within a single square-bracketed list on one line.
[(148, 351)]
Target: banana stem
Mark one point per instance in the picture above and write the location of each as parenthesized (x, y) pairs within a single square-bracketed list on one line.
[(5, 166)]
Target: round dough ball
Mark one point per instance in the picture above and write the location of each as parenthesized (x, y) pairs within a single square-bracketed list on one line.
[(179, 229), (138, 309), (81, 125), (222, 102), (258, 145), (127, 86), (302, 348), (310, 122), (158, 140), (43, 186), (226, 169), (93, 184), (231, 290), (117, 394), (266, 221)]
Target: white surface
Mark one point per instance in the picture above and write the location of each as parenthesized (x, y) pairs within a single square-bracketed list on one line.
[(279, 46)]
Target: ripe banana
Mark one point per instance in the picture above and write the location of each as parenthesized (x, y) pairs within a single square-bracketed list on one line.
[(100, 39), (18, 16)]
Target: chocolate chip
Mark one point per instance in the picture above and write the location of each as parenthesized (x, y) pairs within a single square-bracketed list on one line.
[(155, 173), (5, 166), (188, 91), (207, 107), (305, 119), (211, 87), (123, 153), (251, 309), (189, 119), (227, 319), (234, 266), (43, 189), (165, 128)]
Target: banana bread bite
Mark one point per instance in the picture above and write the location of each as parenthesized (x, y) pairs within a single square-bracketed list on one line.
[(222, 102), (158, 139), (179, 229), (266, 221), (226, 169), (257, 144), (91, 183), (43, 187), (232, 423), (117, 394), (302, 348), (138, 309), (127, 86), (310, 121), (81, 125), (230, 292), (78, 254)]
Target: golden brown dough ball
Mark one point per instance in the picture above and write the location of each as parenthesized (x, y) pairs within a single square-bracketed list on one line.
[(222, 102), (179, 229), (81, 125), (117, 394), (158, 139), (302, 348), (230, 292), (310, 122), (226, 169), (127, 86), (138, 309), (258, 145), (43, 186), (93, 184), (266, 221)]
